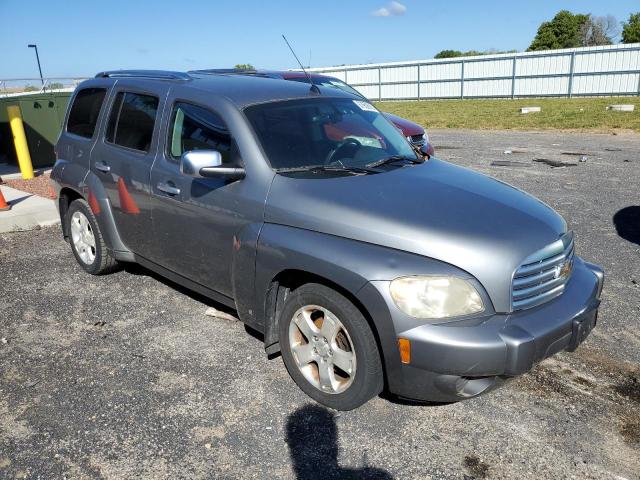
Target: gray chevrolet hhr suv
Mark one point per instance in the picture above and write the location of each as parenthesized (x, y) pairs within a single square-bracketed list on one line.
[(367, 265)]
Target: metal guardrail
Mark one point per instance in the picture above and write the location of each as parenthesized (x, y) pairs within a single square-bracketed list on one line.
[(16, 86), (412, 74)]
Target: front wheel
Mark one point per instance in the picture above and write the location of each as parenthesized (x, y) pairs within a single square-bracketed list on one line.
[(329, 349)]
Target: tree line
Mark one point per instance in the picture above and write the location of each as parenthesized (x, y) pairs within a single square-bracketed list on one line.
[(569, 30)]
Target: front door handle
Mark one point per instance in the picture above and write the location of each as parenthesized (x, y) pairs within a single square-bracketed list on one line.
[(169, 189), (103, 167)]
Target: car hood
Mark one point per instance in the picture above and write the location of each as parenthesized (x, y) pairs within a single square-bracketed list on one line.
[(436, 209), (408, 127)]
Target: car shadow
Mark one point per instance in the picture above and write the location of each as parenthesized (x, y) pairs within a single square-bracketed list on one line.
[(137, 269), (627, 223), (312, 437)]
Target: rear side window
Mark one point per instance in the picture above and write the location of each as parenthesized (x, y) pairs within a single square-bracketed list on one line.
[(196, 128), (131, 121), (84, 112)]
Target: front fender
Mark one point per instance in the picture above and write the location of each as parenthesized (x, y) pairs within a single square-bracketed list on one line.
[(350, 264)]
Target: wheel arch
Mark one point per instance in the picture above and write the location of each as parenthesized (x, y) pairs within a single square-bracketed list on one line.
[(96, 196), (287, 281), (288, 257), (73, 181), (65, 197)]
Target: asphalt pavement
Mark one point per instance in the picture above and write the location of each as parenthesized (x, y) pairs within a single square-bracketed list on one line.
[(124, 376)]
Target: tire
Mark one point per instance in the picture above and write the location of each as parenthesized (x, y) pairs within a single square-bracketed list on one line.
[(350, 345), (95, 258)]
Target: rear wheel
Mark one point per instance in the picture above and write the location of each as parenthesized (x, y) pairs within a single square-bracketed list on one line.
[(86, 240), (329, 348)]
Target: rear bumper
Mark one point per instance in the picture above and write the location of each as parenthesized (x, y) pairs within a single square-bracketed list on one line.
[(454, 361)]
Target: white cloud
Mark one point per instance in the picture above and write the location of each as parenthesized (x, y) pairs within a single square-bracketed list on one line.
[(396, 8), (381, 12), (392, 9)]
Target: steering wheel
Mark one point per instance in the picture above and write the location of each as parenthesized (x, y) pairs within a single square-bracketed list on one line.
[(343, 145)]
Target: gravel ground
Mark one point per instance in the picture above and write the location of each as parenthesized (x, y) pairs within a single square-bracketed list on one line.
[(39, 185), (124, 376)]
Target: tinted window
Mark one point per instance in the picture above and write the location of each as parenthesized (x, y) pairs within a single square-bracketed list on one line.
[(113, 117), (196, 128), (131, 120), (84, 112)]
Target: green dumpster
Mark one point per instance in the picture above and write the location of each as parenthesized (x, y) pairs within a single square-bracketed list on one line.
[(7, 150), (42, 115)]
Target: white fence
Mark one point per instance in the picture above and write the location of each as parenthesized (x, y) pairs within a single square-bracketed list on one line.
[(590, 71)]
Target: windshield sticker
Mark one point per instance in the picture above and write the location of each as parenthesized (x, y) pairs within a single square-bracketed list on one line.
[(367, 107), (366, 141)]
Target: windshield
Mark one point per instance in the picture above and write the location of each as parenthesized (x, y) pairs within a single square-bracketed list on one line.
[(328, 82), (324, 131)]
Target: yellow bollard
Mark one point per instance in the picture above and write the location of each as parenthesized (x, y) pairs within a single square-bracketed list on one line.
[(20, 141)]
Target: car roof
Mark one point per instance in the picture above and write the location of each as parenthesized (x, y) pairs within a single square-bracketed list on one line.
[(240, 89)]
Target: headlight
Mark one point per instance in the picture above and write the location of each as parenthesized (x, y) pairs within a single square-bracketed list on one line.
[(425, 137), (435, 296)]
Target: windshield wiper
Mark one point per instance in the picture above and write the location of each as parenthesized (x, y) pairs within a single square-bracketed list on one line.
[(392, 159), (328, 168)]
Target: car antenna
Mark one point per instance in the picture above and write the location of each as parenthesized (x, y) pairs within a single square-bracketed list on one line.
[(314, 87)]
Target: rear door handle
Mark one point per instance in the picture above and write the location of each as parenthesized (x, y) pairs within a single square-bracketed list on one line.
[(169, 189), (103, 167)]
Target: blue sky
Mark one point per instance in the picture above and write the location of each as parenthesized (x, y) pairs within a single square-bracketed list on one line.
[(80, 38)]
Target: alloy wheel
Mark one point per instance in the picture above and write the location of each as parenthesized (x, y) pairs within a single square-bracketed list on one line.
[(83, 238), (322, 349)]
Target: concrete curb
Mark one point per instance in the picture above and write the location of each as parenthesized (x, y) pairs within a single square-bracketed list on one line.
[(28, 211), (10, 173)]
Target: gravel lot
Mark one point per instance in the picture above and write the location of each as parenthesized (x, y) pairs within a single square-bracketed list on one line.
[(123, 376)]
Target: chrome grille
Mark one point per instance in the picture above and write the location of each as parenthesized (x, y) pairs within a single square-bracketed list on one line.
[(543, 275), (417, 140)]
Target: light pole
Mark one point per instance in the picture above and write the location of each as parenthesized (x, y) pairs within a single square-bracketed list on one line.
[(38, 59)]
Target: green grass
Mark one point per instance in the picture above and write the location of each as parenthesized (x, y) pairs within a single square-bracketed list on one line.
[(587, 114)]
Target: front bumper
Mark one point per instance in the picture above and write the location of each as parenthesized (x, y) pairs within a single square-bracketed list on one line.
[(459, 360)]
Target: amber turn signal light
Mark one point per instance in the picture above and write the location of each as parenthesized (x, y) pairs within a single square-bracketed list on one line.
[(405, 350)]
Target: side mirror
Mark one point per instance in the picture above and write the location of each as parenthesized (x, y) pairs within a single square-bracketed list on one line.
[(207, 164)]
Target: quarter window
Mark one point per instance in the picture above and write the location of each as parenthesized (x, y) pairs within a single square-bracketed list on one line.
[(132, 120), (84, 112), (196, 128)]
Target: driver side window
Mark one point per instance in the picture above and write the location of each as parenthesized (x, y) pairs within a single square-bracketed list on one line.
[(196, 128)]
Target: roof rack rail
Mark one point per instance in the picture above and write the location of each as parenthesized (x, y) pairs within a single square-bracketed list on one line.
[(157, 74), (225, 70), (229, 71)]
